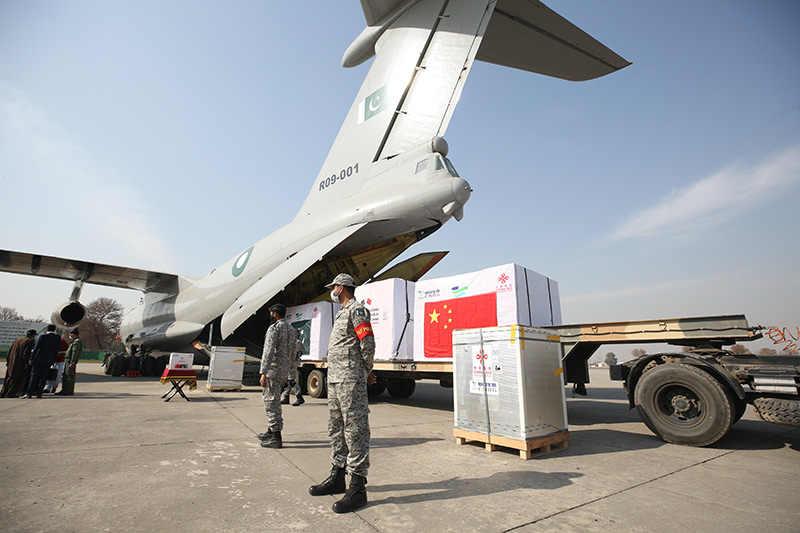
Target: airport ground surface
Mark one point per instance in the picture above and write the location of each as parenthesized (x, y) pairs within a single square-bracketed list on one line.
[(115, 457)]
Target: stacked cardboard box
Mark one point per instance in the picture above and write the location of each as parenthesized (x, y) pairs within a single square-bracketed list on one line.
[(496, 296), (314, 322), (391, 306)]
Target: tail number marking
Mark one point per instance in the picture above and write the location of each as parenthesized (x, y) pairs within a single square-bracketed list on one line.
[(333, 178)]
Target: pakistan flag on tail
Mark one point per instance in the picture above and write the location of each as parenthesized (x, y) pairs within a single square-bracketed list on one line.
[(372, 105)]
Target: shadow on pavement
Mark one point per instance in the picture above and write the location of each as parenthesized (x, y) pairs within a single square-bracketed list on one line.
[(453, 488)]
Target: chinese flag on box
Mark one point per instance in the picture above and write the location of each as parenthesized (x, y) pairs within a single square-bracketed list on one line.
[(442, 317)]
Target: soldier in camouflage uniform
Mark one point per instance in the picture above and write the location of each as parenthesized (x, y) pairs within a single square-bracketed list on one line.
[(350, 355), (293, 385), (279, 348)]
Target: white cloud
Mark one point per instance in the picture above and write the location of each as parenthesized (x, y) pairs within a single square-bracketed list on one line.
[(713, 200), (82, 198)]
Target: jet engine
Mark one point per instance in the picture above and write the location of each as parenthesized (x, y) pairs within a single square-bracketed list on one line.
[(68, 315)]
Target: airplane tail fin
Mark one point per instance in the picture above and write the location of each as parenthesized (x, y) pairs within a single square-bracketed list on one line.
[(424, 53)]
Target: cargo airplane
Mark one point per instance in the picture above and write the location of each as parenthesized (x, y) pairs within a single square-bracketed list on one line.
[(385, 184)]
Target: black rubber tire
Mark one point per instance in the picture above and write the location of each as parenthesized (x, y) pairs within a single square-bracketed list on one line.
[(132, 364), (148, 365), (119, 366), (376, 389), (317, 384), (684, 405), (110, 361), (741, 409), (401, 388), (161, 364), (778, 411)]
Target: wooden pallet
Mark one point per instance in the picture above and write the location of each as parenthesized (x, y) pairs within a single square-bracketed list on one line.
[(223, 389), (527, 448)]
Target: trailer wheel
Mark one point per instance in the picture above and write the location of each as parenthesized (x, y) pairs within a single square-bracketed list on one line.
[(778, 411), (376, 389), (684, 405), (401, 388), (317, 384)]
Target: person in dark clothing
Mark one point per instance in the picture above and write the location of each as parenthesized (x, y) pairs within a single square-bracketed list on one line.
[(42, 357), (17, 366)]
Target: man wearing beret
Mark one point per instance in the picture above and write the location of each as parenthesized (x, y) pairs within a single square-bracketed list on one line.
[(350, 354), (280, 344)]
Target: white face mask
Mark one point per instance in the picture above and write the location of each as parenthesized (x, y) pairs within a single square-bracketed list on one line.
[(334, 297)]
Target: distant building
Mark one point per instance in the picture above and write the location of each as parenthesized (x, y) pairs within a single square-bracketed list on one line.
[(12, 330)]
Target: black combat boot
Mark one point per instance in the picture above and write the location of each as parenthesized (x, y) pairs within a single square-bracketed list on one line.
[(299, 401), (285, 400), (264, 436), (354, 498), (273, 441), (334, 484)]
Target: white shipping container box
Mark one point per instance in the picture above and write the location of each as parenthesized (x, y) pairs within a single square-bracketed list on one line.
[(391, 304), (226, 368), (314, 322), (496, 296), (507, 382), (181, 360)]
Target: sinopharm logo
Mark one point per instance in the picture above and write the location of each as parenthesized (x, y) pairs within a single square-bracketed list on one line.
[(372, 105), (241, 262)]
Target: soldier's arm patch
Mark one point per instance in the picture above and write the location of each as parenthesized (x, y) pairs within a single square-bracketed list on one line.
[(363, 330)]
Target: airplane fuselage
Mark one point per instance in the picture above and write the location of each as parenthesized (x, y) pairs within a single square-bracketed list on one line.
[(411, 192)]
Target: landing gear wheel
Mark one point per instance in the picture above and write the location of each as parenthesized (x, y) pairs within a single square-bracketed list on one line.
[(684, 405), (317, 384)]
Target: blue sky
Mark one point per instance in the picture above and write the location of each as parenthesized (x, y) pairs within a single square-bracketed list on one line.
[(172, 135)]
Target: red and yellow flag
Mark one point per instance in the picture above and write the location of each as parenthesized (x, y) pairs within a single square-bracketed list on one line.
[(442, 317)]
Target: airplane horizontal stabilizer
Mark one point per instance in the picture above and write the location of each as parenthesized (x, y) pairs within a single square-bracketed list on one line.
[(276, 280), (95, 273), (528, 35)]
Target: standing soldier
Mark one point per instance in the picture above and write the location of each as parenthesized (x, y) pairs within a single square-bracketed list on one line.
[(279, 346), (293, 386), (350, 354), (70, 362)]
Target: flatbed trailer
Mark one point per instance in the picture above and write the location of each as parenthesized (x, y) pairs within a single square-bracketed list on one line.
[(691, 397)]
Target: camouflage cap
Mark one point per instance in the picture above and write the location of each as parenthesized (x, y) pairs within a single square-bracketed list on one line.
[(342, 279)]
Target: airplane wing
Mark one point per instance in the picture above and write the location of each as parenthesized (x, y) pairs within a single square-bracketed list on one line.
[(95, 273), (527, 35), (260, 292)]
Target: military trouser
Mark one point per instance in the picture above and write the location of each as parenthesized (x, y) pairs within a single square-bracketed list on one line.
[(348, 426), (68, 380), (271, 395), (293, 385)]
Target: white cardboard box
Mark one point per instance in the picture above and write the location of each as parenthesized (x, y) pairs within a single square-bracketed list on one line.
[(181, 360), (507, 382), (497, 296), (391, 307), (314, 322), (226, 368)]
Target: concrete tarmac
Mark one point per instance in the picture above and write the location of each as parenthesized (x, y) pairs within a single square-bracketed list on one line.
[(116, 457)]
